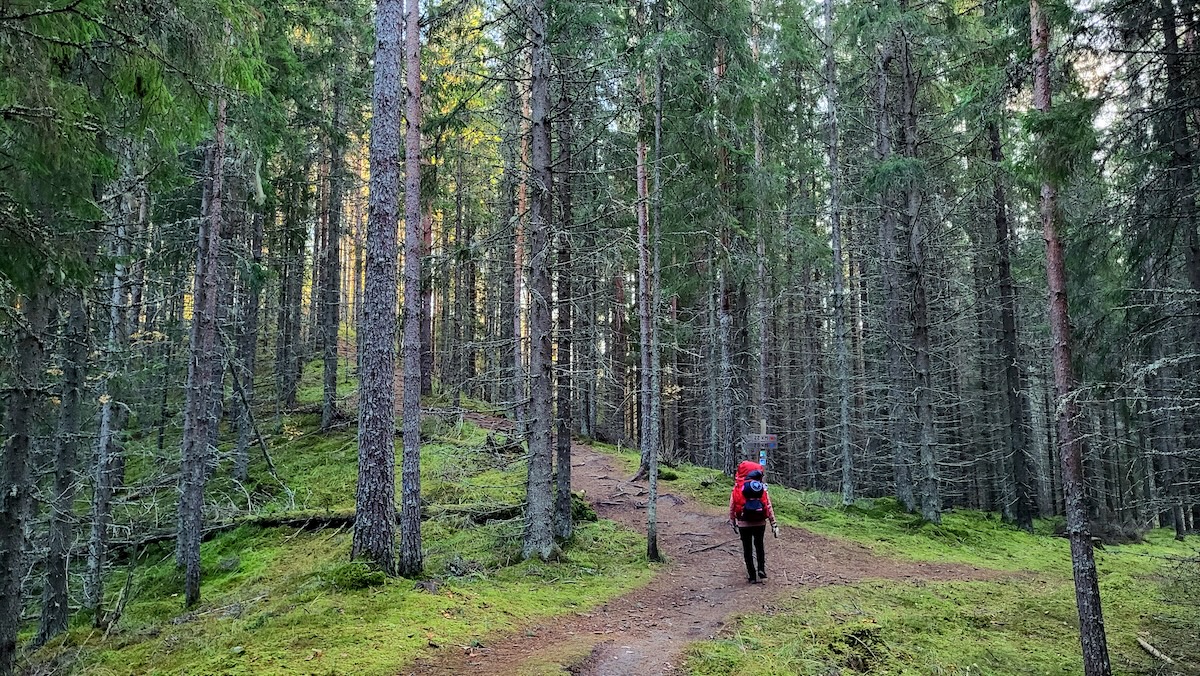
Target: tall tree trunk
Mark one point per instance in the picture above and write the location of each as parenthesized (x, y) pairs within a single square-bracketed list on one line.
[(564, 525), (726, 442), (899, 433), (652, 552), (1083, 564), (427, 303), (511, 384), (202, 350), (332, 277), (539, 506), (107, 448), (928, 489), (520, 380), (763, 307), (316, 289), (20, 408), (375, 511), (841, 348), (248, 351), (645, 312), (76, 347), (414, 306), (1014, 385), (617, 351)]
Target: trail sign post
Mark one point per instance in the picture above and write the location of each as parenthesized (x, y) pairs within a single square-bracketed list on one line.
[(761, 443)]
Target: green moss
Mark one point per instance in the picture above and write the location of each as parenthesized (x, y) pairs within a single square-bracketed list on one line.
[(964, 536), (352, 575), (279, 601), (292, 596), (1020, 626)]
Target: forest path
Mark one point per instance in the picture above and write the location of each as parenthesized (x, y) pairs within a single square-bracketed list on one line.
[(646, 630)]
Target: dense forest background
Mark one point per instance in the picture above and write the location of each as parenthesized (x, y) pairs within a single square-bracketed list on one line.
[(665, 225)]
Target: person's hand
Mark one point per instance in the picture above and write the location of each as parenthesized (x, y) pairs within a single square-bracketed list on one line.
[(775, 529), (732, 525)]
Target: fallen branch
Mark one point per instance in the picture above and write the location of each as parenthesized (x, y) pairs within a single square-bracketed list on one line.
[(1154, 652), (705, 549), (262, 443), (477, 514)]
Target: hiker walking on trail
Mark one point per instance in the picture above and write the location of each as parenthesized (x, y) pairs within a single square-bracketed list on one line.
[(749, 512)]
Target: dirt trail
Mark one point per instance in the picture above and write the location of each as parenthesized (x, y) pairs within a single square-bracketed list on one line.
[(704, 586)]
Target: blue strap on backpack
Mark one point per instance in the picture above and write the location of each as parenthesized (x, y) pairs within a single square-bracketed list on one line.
[(754, 509)]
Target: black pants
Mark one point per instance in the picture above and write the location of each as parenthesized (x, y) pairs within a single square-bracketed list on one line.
[(753, 534)]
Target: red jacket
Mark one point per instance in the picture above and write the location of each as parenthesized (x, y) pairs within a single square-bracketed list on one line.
[(737, 500)]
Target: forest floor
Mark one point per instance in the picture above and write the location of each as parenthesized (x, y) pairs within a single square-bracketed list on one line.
[(693, 598), (867, 588)]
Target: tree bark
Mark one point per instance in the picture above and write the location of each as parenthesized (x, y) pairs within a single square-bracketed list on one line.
[(375, 524), (107, 448), (645, 312), (899, 432), (1014, 385), (76, 347), (414, 303), (332, 277), (539, 509), (652, 551), (1083, 564), (564, 525), (22, 402), (929, 493), (841, 348), (248, 350), (197, 424)]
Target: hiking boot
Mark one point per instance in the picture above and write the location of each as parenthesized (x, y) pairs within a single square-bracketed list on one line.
[(762, 574), (752, 580)]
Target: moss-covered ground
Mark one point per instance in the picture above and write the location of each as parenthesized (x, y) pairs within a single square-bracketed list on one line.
[(288, 601), (1023, 623)]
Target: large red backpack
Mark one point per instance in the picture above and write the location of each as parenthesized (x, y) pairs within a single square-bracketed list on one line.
[(753, 509)]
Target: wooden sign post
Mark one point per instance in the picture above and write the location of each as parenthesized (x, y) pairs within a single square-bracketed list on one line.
[(761, 443)]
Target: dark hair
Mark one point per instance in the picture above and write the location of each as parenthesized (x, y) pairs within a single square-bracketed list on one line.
[(755, 474)]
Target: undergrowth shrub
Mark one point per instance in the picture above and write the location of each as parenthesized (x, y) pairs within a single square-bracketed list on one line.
[(352, 575)]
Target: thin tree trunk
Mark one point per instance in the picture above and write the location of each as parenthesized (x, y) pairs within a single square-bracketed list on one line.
[(1014, 385), (763, 308), (107, 449), (928, 489), (510, 384), (1083, 564), (726, 443), (642, 209), (617, 351), (55, 600), (520, 378), (841, 354), (21, 404), (202, 352), (652, 551), (248, 352), (899, 433), (427, 304), (564, 525), (332, 277), (414, 306)]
